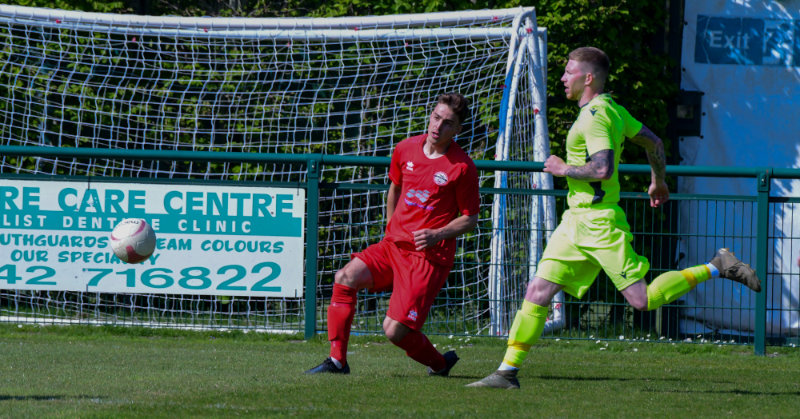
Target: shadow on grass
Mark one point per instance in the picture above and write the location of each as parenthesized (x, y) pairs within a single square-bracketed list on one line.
[(5, 397), (451, 376), (732, 391), (546, 377), (574, 378)]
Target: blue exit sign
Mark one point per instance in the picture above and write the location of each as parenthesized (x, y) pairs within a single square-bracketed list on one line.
[(747, 41)]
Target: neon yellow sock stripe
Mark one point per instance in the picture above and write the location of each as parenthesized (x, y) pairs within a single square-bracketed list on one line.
[(525, 331), (696, 274), (515, 356), (668, 286), (689, 276)]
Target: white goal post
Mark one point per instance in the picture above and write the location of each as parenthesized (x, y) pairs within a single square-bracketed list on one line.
[(342, 86)]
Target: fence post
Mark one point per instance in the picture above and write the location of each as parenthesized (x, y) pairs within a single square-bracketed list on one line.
[(762, 246), (312, 220)]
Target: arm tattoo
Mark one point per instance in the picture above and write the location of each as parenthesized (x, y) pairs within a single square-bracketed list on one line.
[(655, 152), (600, 166), (657, 162)]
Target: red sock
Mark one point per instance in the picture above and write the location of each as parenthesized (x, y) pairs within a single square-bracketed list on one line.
[(340, 318), (420, 349)]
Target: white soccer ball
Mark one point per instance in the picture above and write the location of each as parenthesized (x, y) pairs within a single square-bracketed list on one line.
[(133, 240)]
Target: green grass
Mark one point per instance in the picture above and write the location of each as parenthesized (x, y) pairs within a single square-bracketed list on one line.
[(102, 372)]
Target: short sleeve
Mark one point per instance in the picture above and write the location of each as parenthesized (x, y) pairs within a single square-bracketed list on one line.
[(395, 172), (468, 197), (632, 125)]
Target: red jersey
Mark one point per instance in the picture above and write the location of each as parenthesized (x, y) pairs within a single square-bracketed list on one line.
[(433, 193)]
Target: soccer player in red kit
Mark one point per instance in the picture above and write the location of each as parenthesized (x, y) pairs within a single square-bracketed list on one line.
[(433, 198)]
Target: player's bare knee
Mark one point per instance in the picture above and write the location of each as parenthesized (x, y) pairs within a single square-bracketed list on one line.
[(390, 330), (541, 291), (394, 330), (639, 305), (345, 277), (354, 275), (636, 295), (340, 277)]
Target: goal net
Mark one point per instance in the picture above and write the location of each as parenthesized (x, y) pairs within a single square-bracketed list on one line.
[(331, 86)]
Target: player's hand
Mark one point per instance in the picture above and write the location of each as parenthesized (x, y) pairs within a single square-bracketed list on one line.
[(659, 194), (425, 238), (555, 166)]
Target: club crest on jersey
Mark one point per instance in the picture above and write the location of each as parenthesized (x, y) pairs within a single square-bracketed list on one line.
[(410, 166), (440, 178)]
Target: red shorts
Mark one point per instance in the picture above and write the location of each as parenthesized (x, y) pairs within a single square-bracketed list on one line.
[(413, 280)]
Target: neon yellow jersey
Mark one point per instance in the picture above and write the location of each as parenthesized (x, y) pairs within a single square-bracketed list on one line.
[(601, 125)]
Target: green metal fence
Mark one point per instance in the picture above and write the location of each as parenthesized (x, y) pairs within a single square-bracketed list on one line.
[(601, 315)]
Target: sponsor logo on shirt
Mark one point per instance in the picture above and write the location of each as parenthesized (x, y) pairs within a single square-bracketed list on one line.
[(410, 166), (440, 178), (417, 198), (421, 195), (593, 111)]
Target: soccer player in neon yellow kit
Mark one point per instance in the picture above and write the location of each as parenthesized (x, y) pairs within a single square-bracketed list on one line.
[(593, 233)]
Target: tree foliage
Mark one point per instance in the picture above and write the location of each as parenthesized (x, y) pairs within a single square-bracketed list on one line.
[(629, 31)]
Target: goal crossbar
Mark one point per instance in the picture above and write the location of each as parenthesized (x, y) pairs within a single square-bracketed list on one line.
[(318, 35), (19, 13)]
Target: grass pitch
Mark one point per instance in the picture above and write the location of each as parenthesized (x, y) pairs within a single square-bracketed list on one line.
[(115, 372)]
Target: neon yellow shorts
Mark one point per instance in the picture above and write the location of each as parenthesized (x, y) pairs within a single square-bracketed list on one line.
[(587, 240)]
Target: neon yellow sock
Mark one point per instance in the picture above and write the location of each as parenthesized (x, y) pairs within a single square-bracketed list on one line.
[(668, 286), (525, 331)]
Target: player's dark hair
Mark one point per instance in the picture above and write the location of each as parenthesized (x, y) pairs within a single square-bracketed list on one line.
[(596, 58), (457, 103)]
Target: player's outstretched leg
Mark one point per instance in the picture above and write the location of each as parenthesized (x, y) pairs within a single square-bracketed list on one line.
[(419, 348), (671, 285), (734, 269)]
